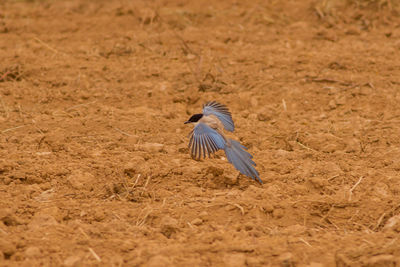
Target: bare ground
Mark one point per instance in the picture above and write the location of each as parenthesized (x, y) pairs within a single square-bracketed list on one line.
[(94, 165)]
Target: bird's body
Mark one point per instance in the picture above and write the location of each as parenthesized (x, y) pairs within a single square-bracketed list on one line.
[(207, 137), (213, 122)]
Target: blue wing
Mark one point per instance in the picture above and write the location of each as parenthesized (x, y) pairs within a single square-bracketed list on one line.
[(204, 140), (222, 113), (242, 160)]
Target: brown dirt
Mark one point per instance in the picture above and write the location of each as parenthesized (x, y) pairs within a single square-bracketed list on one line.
[(94, 166)]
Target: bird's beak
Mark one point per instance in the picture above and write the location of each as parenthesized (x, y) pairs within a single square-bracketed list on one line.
[(186, 122)]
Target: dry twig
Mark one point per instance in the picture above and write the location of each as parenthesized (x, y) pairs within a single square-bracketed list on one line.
[(354, 187), (94, 255)]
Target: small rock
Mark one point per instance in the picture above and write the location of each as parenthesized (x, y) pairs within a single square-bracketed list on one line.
[(248, 227), (254, 102), (159, 261), (136, 167), (197, 222), (127, 245), (7, 248), (268, 207), (52, 211), (42, 221), (7, 180), (133, 139), (168, 226), (45, 195), (252, 116), (8, 218), (278, 213), (150, 147), (332, 104), (231, 178), (286, 259), (215, 171), (280, 153), (342, 261), (169, 221), (99, 215), (72, 261), (254, 192), (263, 117), (393, 223), (203, 215), (352, 145), (81, 180), (18, 175), (353, 31), (317, 182), (382, 260), (32, 252), (341, 100), (190, 56), (235, 260), (253, 262), (330, 148)]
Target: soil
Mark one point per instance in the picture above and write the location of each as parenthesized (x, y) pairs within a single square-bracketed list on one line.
[(94, 164)]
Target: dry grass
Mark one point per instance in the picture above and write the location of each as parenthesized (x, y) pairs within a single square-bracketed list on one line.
[(331, 8)]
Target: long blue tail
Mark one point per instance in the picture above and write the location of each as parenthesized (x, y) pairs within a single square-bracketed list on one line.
[(241, 159)]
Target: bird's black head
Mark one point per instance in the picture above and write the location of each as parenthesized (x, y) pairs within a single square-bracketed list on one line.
[(194, 118)]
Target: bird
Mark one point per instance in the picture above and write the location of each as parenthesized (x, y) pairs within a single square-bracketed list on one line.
[(207, 137)]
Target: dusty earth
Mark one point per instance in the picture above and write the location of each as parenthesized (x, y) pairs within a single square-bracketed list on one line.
[(94, 165)]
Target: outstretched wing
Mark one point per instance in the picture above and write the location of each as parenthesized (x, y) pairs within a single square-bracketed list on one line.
[(222, 113), (204, 141), (242, 160)]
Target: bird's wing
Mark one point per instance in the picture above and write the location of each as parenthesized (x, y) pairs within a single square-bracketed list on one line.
[(241, 159), (222, 113), (204, 140)]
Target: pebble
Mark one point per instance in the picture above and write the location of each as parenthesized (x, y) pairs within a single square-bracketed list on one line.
[(268, 207), (353, 145), (168, 226), (254, 102), (231, 178), (286, 259), (7, 248), (332, 104), (72, 261), (393, 223), (150, 147), (81, 180), (263, 117), (278, 213), (203, 215), (381, 260), (42, 221), (32, 252), (159, 261), (235, 260), (197, 222), (317, 182)]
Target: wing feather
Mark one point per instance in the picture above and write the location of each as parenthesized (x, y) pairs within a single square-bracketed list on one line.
[(221, 112), (205, 141)]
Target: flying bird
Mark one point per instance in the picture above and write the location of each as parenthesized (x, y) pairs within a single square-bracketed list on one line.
[(207, 137)]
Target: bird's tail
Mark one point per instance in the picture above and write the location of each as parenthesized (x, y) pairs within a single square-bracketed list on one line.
[(241, 159)]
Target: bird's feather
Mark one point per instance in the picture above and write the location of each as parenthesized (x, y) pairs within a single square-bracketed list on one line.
[(221, 112), (241, 159), (205, 141)]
